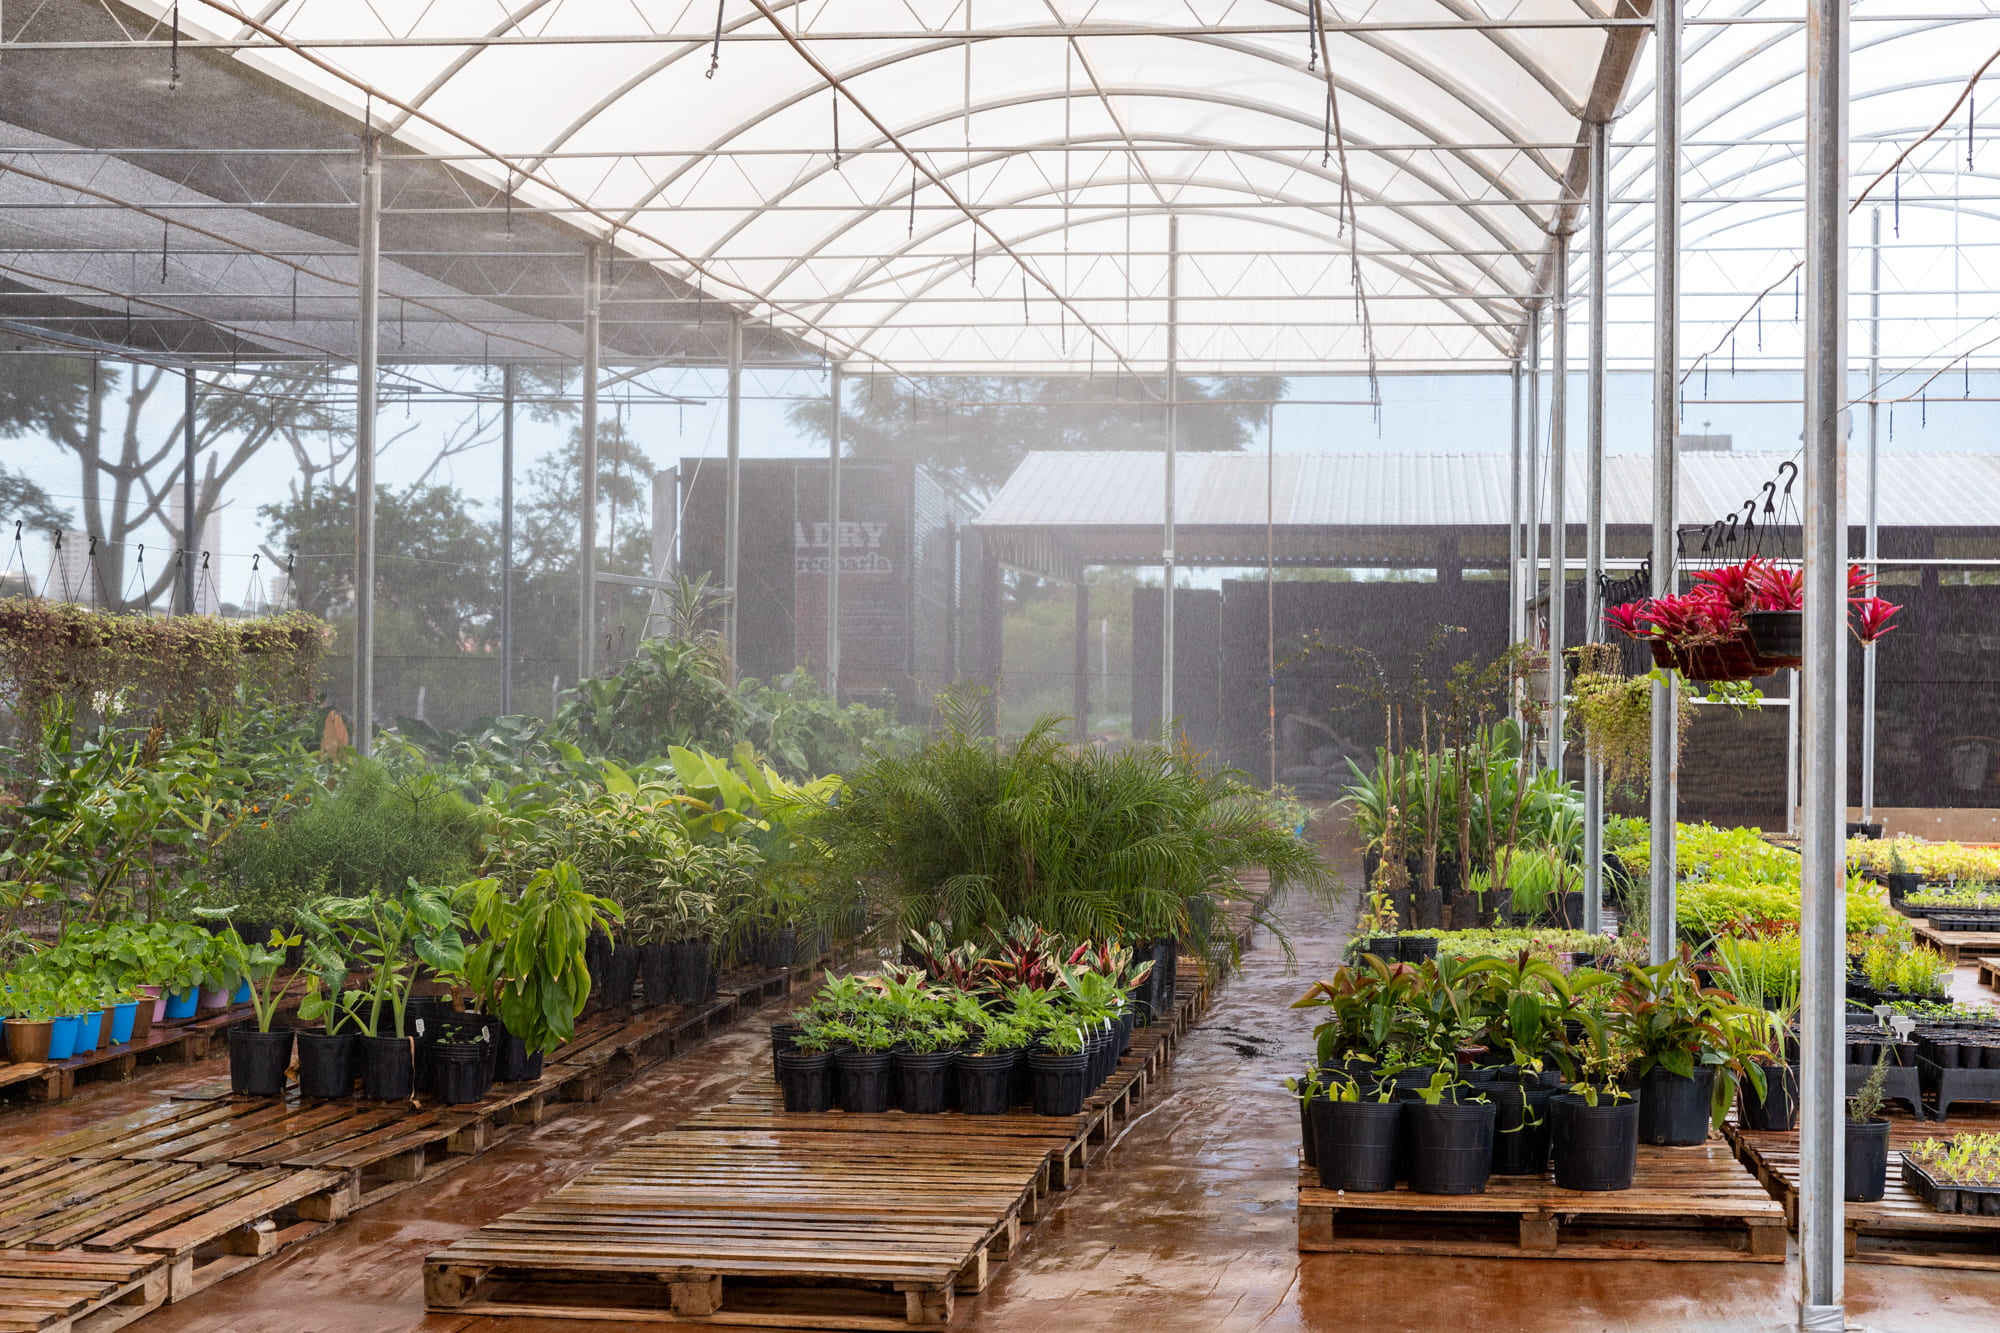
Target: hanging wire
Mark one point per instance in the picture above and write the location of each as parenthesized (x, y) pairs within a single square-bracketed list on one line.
[(1312, 38), (715, 56), (913, 203), (834, 94), (174, 59)]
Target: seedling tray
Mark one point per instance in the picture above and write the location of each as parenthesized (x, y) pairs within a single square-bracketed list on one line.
[(1964, 1200)]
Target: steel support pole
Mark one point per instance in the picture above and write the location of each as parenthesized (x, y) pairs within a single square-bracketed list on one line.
[(1558, 510), (1080, 659), (1872, 549), (1515, 593), (1666, 442), (833, 537), (586, 649), (732, 537), (1173, 425), (1822, 827), (1791, 753), (1593, 532), (190, 527), (366, 350), (1531, 536), (507, 382)]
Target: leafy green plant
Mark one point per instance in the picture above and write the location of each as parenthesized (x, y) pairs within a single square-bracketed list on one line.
[(257, 964), (529, 963), (1866, 1103), (389, 936)]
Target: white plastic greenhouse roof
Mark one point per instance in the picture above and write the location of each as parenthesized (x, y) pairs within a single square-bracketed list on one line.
[(980, 186)]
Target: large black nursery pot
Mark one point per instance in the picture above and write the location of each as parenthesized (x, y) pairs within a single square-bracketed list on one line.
[(694, 979), (1778, 1108), (1674, 1107), (1060, 1082), (1777, 634), (784, 1036), (1521, 1127), (778, 948), (806, 1080), (512, 1062), (326, 1064), (1867, 1160), (865, 1084), (1417, 948), (1354, 1143), (388, 1070), (458, 1071), (621, 974), (656, 974), (923, 1081), (596, 956), (1450, 1146), (1594, 1147), (985, 1081), (257, 1060)]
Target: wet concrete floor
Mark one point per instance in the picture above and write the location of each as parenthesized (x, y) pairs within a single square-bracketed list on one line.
[(1186, 1225)]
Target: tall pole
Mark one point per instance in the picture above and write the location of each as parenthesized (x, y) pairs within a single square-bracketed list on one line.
[(190, 529), (1593, 531), (1872, 549), (1271, 581), (1173, 423), (732, 537), (1515, 594), (586, 650), (1532, 473), (833, 538), (1666, 441), (1558, 508), (1822, 829), (369, 253), (507, 379)]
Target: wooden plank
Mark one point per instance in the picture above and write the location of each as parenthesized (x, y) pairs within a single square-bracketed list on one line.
[(185, 1237)]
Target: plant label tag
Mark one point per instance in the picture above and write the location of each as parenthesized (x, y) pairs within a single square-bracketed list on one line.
[(420, 1027)]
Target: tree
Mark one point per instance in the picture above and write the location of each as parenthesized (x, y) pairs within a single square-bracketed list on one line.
[(973, 432), (23, 501)]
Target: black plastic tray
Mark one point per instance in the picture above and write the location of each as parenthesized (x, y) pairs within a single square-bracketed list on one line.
[(1965, 1200)]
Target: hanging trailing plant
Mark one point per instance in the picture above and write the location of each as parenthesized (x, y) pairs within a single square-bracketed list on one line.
[(176, 670), (1614, 714)]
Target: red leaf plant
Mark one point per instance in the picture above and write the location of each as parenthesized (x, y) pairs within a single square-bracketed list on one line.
[(1869, 617)]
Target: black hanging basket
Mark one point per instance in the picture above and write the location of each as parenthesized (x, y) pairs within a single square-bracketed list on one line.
[(1778, 636)]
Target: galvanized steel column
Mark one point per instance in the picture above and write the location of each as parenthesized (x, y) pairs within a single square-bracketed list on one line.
[(369, 252), (190, 529), (1514, 593), (833, 539), (732, 541), (1532, 476), (1558, 510), (1822, 840), (1173, 425), (507, 374), (1593, 532), (586, 649), (1666, 440), (1872, 550)]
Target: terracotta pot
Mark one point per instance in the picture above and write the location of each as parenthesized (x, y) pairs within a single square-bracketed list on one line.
[(28, 1043)]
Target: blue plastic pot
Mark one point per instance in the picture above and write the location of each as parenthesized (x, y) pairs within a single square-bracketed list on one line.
[(88, 1030), (122, 1018), (242, 994), (62, 1036), (180, 1003)]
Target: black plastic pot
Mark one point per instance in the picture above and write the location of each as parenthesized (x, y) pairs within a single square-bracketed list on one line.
[(864, 1080), (1778, 1108), (458, 1072), (1867, 1160), (1354, 1143), (1103, 1056), (1416, 948), (694, 980), (1451, 1146), (1386, 947), (923, 1081), (783, 1035), (1902, 884), (1521, 1127), (1594, 1147), (778, 948), (1059, 1082), (388, 1071), (806, 1080), (985, 1081), (621, 974), (596, 954), (257, 1060), (1776, 633), (512, 1063), (656, 974), (1308, 1145), (1674, 1107), (326, 1064), (1125, 1023)]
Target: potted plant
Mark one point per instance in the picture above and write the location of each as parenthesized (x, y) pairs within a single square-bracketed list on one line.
[(1867, 1142), (29, 999), (258, 1055), (1594, 1136), (660, 923), (327, 1056), (862, 1047), (1060, 1070), (986, 1071), (389, 936), (459, 1060), (1687, 1050), (1356, 1132), (528, 967), (805, 1071)]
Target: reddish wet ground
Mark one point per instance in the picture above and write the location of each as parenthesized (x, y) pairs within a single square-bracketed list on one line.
[(1187, 1225)]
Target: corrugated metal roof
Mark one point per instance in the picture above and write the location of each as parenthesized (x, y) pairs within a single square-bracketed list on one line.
[(1375, 490)]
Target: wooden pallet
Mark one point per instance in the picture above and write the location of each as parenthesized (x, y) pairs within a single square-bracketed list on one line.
[(1685, 1204), (40, 1082), (1989, 973), (1900, 1228), (1955, 944), (182, 1041), (745, 1214), (71, 1291)]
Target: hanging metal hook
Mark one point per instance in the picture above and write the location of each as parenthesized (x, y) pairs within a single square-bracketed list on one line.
[(1793, 468)]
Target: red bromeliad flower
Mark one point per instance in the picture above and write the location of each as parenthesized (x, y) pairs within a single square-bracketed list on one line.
[(1629, 620), (1859, 581), (1776, 587), (1869, 617), (1731, 582)]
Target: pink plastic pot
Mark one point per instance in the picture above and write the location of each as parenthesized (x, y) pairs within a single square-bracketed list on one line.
[(159, 999)]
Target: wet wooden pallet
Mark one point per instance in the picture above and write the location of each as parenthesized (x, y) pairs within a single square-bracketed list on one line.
[(745, 1214), (1685, 1204), (40, 1082), (202, 1222), (183, 1041), (1989, 973), (1955, 944), (73, 1291), (1900, 1228)]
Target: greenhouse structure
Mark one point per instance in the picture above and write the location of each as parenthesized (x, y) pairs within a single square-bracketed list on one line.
[(967, 664)]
